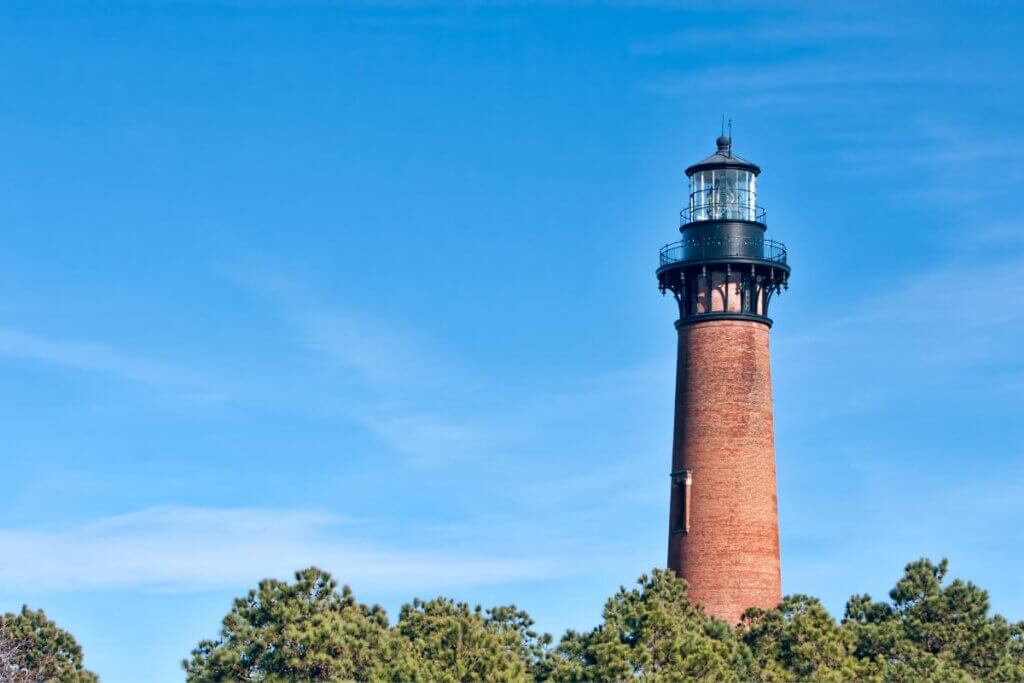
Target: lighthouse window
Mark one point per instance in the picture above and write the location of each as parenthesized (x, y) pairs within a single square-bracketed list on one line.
[(682, 480), (726, 193)]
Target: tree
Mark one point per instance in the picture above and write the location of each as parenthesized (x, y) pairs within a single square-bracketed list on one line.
[(451, 642), (653, 633), (532, 647), (34, 649), (798, 640), (1012, 668), (302, 631), (933, 631), (929, 630), (878, 641), (308, 631), (951, 621)]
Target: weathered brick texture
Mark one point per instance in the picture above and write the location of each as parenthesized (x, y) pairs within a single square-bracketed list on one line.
[(724, 432)]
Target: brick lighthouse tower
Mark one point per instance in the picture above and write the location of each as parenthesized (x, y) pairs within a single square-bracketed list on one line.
[(723, 527)]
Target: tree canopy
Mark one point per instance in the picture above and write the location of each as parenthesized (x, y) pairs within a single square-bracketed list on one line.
[(301, 631), (33, 649), (309, 631), (653, 632), (928, 630)]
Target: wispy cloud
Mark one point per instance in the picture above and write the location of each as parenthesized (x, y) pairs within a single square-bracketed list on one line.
[(407, 390), (780, 33), (100, 358), (915, 480), (951, 165), (402, 386), (813, 76), (933, 335), (431, 435), (807, 60), (384, 373), (382, 353), (895, 512), (192, 549)]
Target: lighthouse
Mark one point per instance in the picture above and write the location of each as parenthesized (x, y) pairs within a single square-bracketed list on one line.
[(723, 527)]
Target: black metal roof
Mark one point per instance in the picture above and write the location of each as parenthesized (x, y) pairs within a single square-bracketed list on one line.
[(723, 158)]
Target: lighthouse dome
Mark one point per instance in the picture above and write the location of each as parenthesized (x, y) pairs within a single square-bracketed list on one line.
[(723, 158)]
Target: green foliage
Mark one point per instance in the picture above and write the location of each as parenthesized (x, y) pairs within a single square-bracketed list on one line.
[(653, 633), (532, 647), (451, 642), (930, 630), (33, 648), (308, 631), (797, 640), (302, 631), (933, 632)]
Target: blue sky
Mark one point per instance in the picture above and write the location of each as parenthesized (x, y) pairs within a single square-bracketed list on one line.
[(372, 287)]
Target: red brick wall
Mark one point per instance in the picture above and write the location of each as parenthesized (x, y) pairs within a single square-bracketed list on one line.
[(724, 432)]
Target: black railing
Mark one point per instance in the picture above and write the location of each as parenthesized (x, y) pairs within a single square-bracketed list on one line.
[(711, 248), (719, 211)]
